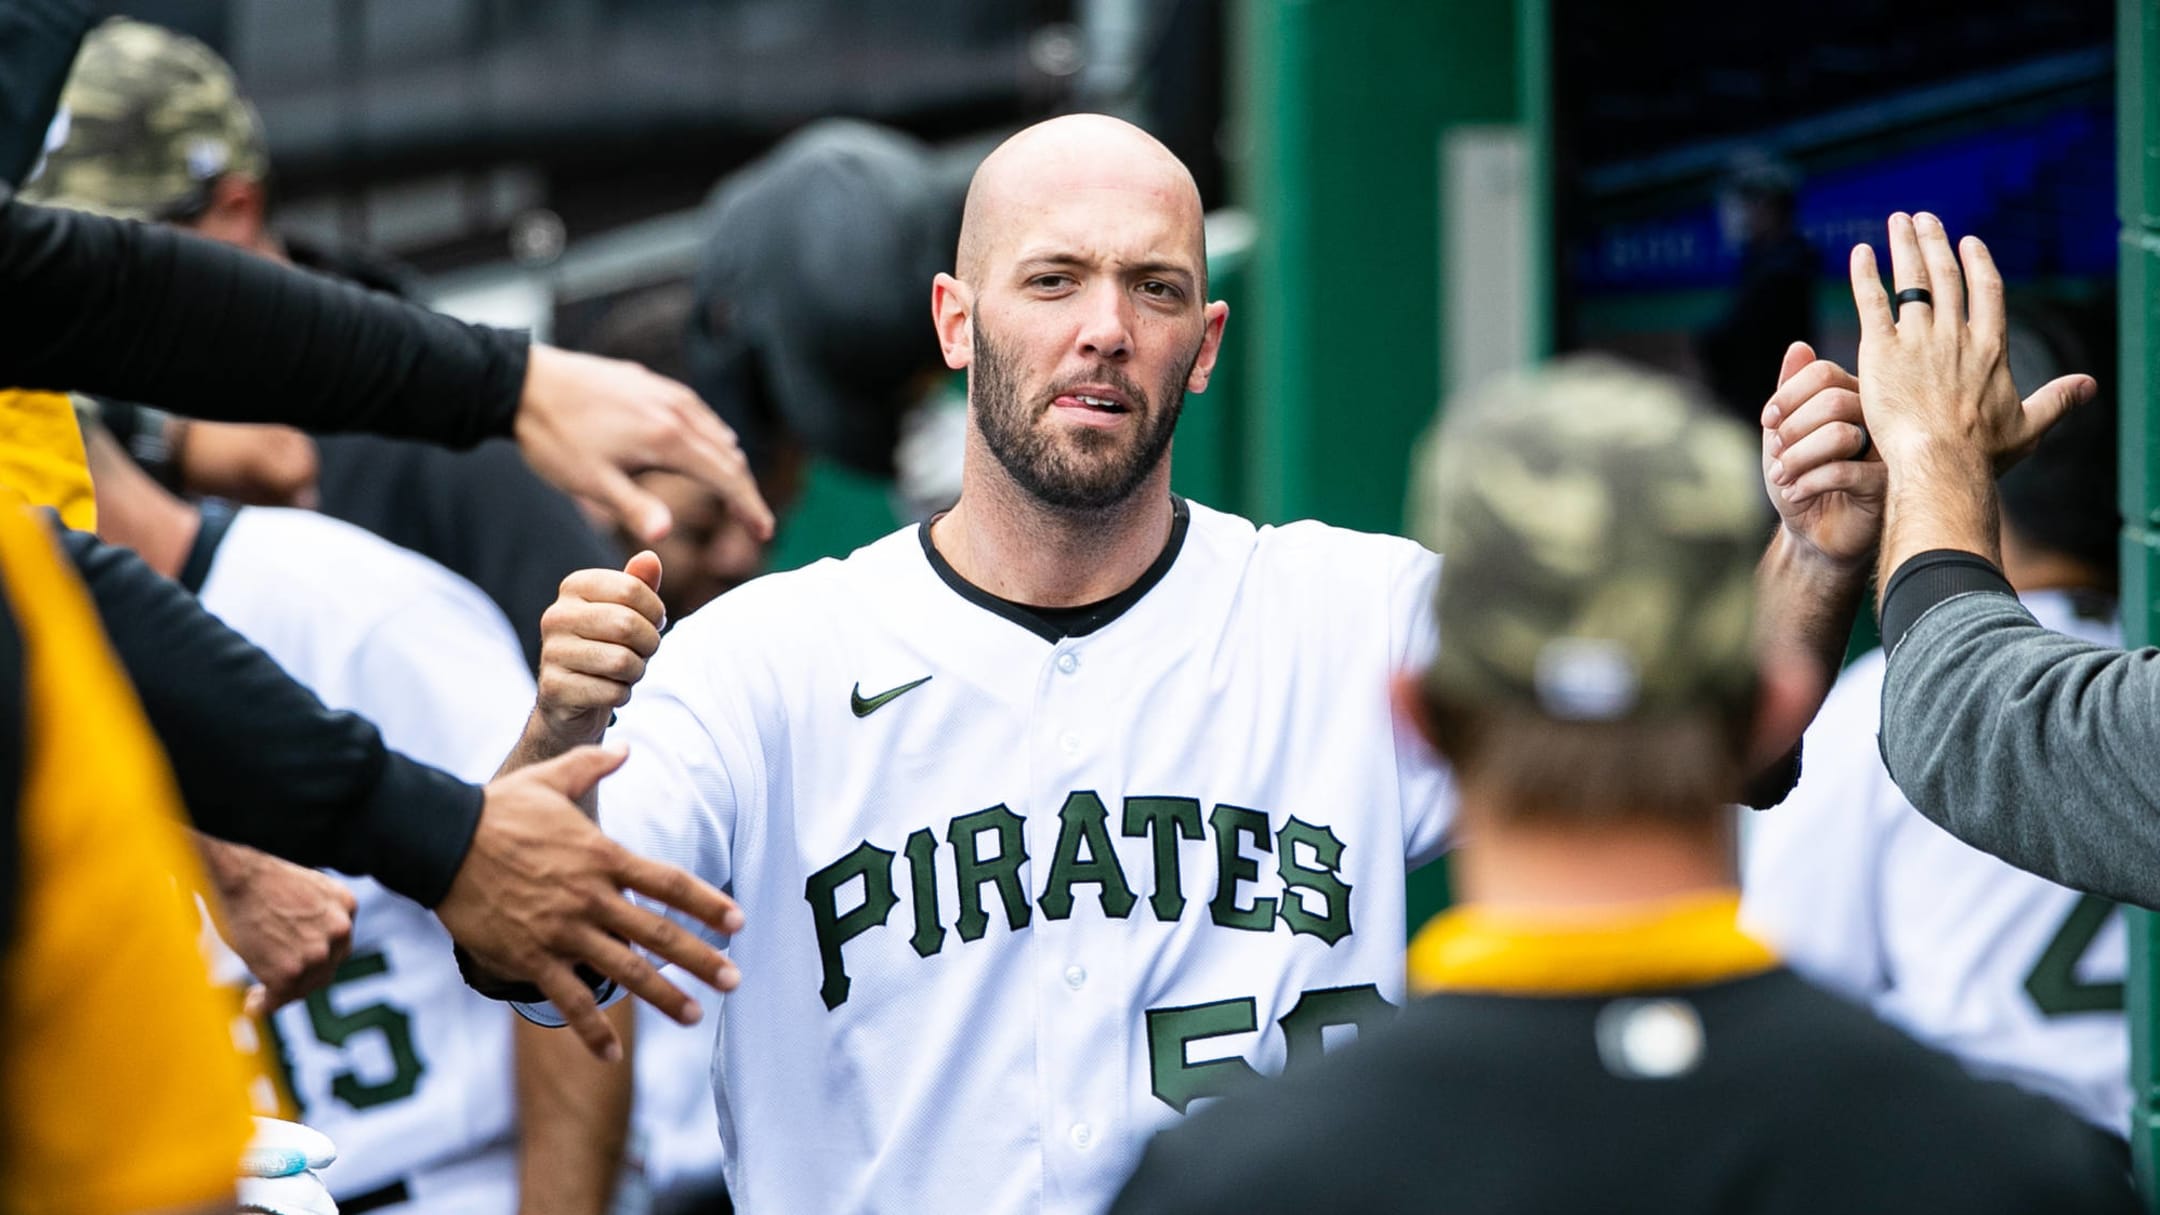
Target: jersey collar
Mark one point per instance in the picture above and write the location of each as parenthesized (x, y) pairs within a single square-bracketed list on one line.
[(1056, 624), (1682, 942)]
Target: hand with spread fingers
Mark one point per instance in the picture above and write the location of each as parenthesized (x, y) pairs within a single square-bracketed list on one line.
[(543, 892), (1936, 390), (1822, 471)]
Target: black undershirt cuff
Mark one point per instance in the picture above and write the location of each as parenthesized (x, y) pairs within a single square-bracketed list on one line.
[(1930, 578), (217, 519)]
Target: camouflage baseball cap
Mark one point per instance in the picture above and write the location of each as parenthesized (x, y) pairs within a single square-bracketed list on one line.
[(1600, 526), (148, 119)]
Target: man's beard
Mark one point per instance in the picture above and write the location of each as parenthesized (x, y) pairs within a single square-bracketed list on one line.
[(1084, 469)]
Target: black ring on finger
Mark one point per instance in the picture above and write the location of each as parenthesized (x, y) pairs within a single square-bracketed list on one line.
[(1867, 444), (1911, 295)]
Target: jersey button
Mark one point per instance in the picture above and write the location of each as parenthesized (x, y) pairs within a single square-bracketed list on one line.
[(1069, 743), (1082, 1135), (1075, 977), (1068, 662)]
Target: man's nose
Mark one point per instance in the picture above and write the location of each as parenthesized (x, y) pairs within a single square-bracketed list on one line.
[(1106, 329)]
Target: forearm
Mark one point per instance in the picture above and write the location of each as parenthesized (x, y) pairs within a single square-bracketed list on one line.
[(1941, 496), (259, 759), (573, 1117), (228, 864), (544, 739), (143, 313), (2027, 744), (1806, 602)]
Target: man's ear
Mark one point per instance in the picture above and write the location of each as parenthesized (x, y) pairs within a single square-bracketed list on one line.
[(1408, 699), (952, 305), (1215, 316), (237, 213), (1787, 695)]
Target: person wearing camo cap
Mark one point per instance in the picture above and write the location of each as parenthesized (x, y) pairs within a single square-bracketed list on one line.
[(1594, 1031), (152, 126)]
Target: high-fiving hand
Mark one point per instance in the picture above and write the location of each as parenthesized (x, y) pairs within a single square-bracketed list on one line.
[(1935, 373), (542, 892), (1825, 480), (1935, 386)]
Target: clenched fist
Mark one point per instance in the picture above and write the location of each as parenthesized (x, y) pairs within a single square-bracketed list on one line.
[(594, 642)]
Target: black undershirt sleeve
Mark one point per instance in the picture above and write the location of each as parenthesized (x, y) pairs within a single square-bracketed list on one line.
[(144, 313), (259, 760)]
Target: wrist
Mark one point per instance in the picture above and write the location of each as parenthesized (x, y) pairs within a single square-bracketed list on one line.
[(550, 730), (1794, 555), (229, 865)]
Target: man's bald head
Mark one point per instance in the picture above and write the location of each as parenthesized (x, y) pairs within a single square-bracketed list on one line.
[(1078, 152)]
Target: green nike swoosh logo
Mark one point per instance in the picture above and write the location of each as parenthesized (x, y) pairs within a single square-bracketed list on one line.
[(864, 706)]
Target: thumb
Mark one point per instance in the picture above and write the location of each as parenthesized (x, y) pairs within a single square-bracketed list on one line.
[(574, 773), (642, 514), (1797, 355), (645, 567), (2054, 399)]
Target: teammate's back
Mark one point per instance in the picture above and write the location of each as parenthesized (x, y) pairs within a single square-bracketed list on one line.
[(1791, 1100)]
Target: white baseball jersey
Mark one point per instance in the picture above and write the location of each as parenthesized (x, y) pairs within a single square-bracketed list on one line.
[(406, 1069), (2019, 977), (675, 1138), (1016, 898)]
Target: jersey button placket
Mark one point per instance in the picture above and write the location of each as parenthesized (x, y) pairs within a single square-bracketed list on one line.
[(1078, 1091)]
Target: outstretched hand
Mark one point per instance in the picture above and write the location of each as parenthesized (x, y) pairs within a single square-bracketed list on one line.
[(1935, 375), (542, 892), (1823, 475), (590, 424)]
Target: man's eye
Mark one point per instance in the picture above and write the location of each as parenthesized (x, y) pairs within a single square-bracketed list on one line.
[(1050, 282), (1155, 288)]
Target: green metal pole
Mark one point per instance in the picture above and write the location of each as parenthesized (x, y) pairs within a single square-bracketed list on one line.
[(1533, 23), (2138, 202), (1343, 110)]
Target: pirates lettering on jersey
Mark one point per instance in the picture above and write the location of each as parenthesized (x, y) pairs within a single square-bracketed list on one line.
[(987, 851)]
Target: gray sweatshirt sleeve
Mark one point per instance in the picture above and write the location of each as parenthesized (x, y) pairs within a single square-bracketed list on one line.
[(2039, 748)]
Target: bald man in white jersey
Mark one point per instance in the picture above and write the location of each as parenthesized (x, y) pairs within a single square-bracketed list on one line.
[(1079, 803)]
